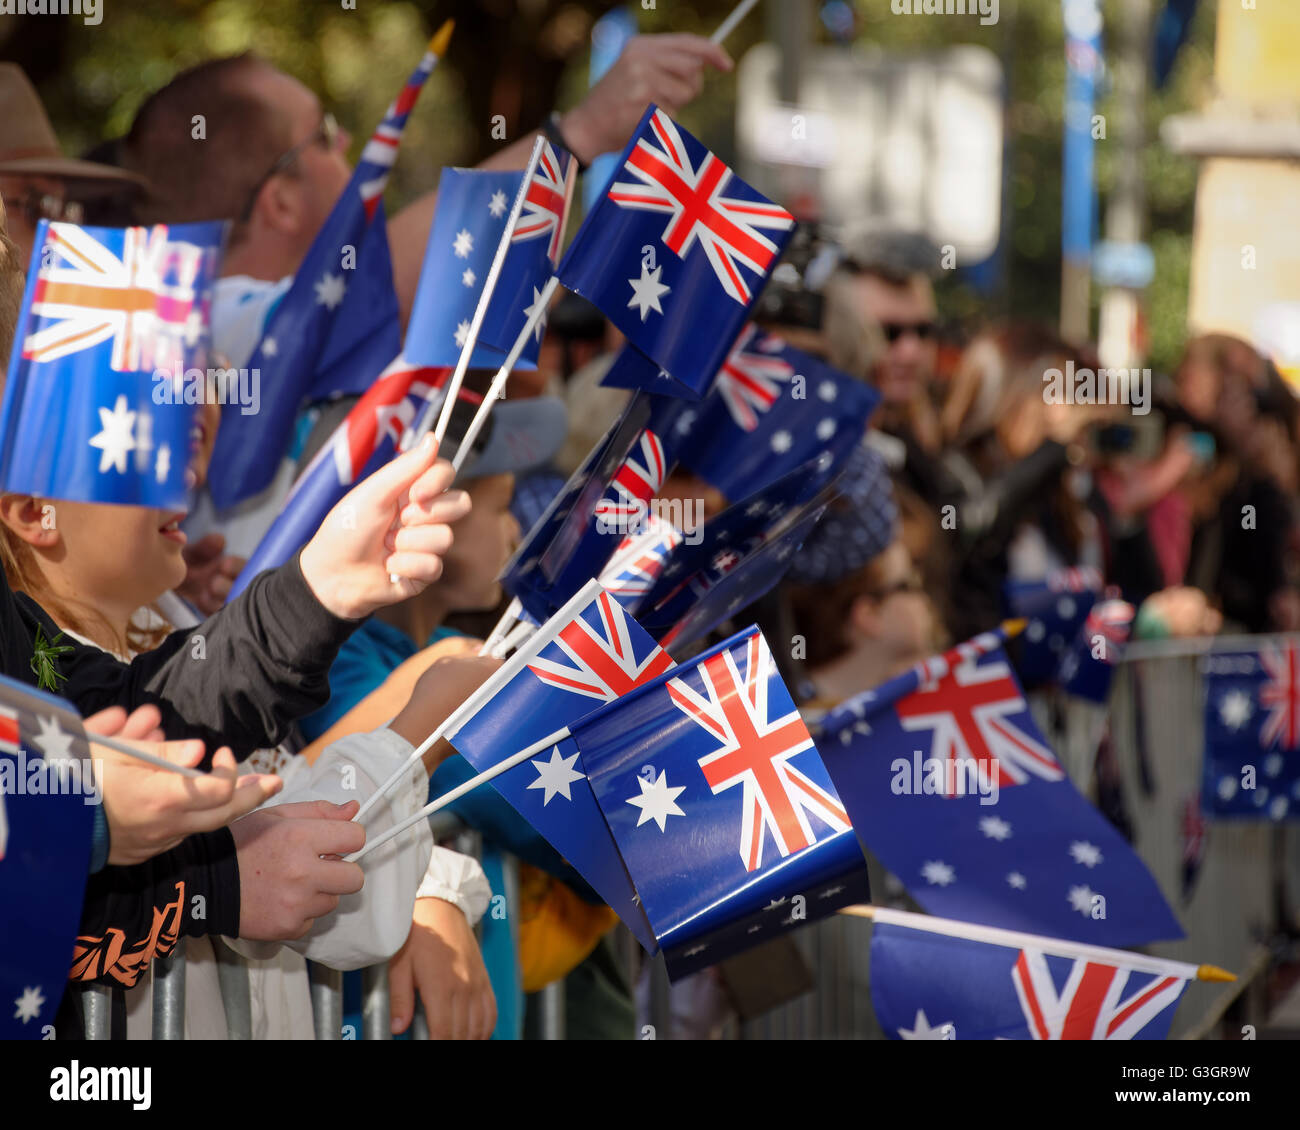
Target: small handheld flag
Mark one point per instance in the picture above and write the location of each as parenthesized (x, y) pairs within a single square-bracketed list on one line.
[(1252, 732), (47, 796), (113, 326), (940, 979), (728, 822), (676, 251), (952, 786), (473, 215)]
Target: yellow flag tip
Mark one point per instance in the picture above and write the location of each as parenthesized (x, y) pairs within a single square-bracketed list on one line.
[(1013, 628), (1214, 973), (442, 37)]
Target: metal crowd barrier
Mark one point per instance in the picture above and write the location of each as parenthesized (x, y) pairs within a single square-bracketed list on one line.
[(99, 1002)]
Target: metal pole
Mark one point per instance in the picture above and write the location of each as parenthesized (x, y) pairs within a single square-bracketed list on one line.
[(97, 1011), (169, 995), (661, 1005), (552, 1008), (376, 1019), (236, 997), (1120, 306), (327, 1002)]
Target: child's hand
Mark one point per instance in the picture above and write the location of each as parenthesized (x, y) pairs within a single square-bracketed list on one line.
[(396, 522)]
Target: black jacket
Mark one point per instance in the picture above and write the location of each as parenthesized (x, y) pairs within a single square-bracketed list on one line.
[(240, 678)]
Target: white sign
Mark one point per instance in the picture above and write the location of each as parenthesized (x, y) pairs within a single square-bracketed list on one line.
[(911, 143)]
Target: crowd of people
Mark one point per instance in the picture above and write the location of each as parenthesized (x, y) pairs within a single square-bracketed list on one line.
[(318, 681)]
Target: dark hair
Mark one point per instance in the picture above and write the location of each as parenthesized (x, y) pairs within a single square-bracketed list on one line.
[(208, 177)]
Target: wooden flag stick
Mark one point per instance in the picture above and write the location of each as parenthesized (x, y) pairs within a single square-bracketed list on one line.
[(738, 13), (1014, 939), (460, 790), (508, 617)]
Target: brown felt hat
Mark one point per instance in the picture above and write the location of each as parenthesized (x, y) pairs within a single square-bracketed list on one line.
[(28, 146)]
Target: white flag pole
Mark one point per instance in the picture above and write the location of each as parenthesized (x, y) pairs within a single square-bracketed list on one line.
[(467, 709), (141, 755), (460, 790), (738, 13), (508, 617), (480, 311), (516, 638), (495, 390), (1014, 939)]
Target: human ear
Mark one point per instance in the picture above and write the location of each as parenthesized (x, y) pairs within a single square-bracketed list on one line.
[(30, 518)]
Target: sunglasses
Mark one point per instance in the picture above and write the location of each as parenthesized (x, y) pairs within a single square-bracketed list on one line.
[(894, 330), (35, 205), (326, 135)]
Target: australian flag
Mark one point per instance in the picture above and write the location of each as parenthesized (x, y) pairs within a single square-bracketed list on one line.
[(298, 333), (605, 501), (112, 320), (772, 408), (1252, 732), (369, 436), (1088, 666), (47, 794), (936, 986), (735, 558), (676, 252), (475, 210), (1055, 609), (590, 653), (639, 560), (727, 820), (953, 787)]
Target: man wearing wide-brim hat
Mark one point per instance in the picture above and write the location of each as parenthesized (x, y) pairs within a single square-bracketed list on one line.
[(36, 180)]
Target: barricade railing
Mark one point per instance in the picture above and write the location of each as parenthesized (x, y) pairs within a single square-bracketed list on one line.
[(100, 1002)]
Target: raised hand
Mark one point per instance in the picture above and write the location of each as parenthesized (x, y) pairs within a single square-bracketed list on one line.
[(395, 523)]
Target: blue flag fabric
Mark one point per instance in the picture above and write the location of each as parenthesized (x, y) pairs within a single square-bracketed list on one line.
[(367, 332), (1055, 609), (301, 330), (953, 787), (606, 500), (736, 557), (112, 340), (1252, 733), (591, 652), (1088, 665), (474, 209), (772, 408), (929, 986), (368, 437), (725, 815), (676, 252), (47, 790)]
